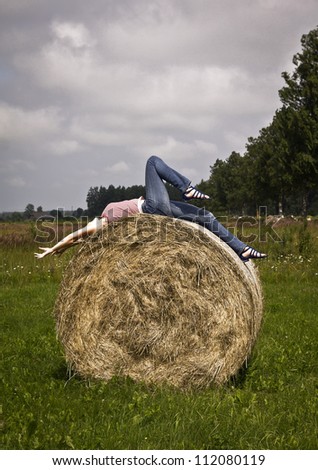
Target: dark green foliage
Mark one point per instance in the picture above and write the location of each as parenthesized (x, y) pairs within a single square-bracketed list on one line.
[(280, 166), (29, 211), (227, 186)]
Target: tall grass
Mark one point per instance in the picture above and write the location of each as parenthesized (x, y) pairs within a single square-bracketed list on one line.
[(272, 404)]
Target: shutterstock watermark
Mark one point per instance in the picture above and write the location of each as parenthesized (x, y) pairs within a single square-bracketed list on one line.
[(264, 226), (51, 229)]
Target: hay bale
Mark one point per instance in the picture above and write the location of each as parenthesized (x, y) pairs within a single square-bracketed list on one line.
[(160, 300)]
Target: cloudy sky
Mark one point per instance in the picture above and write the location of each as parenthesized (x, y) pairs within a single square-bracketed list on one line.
[(90, 89)]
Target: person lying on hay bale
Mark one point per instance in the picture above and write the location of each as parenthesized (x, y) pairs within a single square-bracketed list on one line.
[(157, 202)]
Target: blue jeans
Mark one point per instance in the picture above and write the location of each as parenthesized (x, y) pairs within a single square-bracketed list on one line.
[(158, 202)]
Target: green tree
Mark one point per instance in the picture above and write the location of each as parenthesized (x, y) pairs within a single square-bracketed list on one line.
[(217, 185), (78, 213), (236, 187), (268, 165), (29, 211), (16, 217), (228, 188), (57, 214), (300, 104), (93, 200)]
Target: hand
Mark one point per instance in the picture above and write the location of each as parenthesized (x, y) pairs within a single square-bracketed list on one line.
[(46, 251)]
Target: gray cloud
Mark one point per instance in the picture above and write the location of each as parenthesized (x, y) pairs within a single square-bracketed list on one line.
[(88, 90)]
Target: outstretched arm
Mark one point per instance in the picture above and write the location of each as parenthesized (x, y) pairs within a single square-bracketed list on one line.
[(73, 238)]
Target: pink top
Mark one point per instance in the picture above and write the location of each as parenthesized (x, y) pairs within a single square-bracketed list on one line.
[(119, 210)]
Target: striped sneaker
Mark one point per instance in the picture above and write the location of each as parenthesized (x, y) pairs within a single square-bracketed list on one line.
[(249, 253), (193, 193)]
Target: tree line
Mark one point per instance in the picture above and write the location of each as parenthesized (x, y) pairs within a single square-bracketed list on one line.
[(280, 166)]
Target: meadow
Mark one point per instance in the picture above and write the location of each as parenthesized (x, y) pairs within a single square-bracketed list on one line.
[(271, 404)]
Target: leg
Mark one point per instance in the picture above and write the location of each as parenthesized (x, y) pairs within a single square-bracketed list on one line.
[(157, 198), (205, 218)]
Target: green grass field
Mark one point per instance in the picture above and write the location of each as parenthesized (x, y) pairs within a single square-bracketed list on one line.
[(273, 404)]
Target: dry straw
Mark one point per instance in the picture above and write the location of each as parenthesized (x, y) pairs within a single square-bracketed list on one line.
[(160, 300)]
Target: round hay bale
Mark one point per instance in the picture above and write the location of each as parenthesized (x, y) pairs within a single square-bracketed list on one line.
[(160, 300)]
